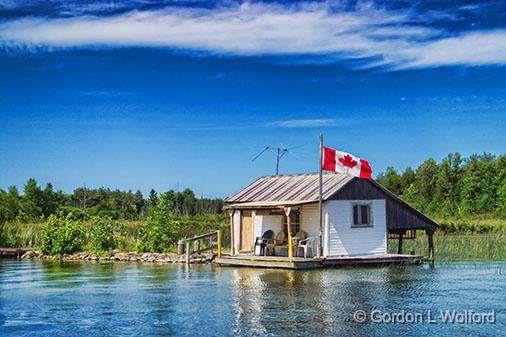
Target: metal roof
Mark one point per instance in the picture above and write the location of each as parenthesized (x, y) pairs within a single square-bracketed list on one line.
[(265, 204), (300, 188)]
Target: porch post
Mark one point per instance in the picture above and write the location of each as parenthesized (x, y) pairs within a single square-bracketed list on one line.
[(289, 228), (231, 214), (401, 238), (430, 240)]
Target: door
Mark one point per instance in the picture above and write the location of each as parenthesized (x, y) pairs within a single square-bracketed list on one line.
[(246, 231)]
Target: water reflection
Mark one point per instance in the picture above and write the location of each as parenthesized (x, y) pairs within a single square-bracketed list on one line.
[(97, 299)]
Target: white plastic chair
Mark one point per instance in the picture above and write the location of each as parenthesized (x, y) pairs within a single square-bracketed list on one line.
[(306, 244)]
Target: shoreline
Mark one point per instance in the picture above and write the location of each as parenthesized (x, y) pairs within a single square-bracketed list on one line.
[(120, 256)]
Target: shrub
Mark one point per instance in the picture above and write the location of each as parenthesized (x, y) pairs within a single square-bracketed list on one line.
[(62, 235), (157, 235), (103, 234), (160, 232)]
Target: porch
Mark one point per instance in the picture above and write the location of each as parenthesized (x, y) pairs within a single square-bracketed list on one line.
[(317, 262), (275, 230)]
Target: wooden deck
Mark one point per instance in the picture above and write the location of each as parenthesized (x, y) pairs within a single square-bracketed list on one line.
[(314, 263), (13, 253)]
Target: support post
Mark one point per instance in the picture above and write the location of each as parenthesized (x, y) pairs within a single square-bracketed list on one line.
[(218, 233), (232, 247), (187, 252), (430, 240), (320, 197), (401, 242), (289, 228), (180, 247)]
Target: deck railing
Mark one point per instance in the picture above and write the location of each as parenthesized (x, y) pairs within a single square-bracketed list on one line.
[(201, 243)]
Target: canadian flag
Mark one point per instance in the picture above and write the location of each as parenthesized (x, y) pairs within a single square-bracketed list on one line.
[(344, 162)]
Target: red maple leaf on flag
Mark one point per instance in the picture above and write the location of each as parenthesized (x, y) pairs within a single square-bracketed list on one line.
[(348, 161)]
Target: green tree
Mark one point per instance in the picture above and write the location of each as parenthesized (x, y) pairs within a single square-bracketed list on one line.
[(153, 198), (160, 233), (33, 200), (500, 182), (421, 192), (49, 201), (189, 202), (391, 180), (12, 203), (447, 192), (408, 178), (478, 189)]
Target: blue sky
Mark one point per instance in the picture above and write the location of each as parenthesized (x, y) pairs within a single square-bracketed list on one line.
[(142, 94)]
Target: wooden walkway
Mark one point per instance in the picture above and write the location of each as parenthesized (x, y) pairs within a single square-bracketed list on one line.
[(12, 253), (314, 263)]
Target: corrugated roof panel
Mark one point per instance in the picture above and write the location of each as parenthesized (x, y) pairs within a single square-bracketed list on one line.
[(291, 187)]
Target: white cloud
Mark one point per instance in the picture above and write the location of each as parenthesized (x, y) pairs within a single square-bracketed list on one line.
[(476, 48), (317, 30)]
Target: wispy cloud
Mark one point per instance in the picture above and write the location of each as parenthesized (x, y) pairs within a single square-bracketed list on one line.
[(305, 123), (323, 32), (105, 93), (289, 123)]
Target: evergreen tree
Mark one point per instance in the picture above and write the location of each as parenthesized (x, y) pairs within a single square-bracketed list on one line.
[(33, 200), (49, 202), (153, 198)]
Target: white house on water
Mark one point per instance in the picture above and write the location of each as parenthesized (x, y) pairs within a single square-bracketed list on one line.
[(275, 220)]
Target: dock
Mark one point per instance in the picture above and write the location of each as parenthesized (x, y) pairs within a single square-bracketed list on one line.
[(283, 262), (12, 253)]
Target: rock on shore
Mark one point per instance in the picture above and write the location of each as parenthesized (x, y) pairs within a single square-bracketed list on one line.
[(121, 256)]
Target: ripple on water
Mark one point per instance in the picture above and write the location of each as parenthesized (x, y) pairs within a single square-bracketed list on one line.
[(54, 298)]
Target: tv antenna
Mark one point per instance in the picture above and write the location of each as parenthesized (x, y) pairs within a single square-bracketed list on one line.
[(278, 151)]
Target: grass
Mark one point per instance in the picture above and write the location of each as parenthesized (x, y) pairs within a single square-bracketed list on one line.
[(478, 238), (458, 247), (28, 235), (472, 224)]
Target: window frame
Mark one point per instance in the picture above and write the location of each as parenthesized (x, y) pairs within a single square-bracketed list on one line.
[(359, 204)]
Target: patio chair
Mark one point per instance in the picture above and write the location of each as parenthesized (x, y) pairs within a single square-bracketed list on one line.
[(278, 242), (301, 235), (306, 244), (262, 242)]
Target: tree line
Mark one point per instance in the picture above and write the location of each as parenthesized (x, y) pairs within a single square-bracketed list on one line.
[(37, 203), (453, 187)]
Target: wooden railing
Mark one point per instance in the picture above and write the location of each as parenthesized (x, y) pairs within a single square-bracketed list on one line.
[(201, 243)]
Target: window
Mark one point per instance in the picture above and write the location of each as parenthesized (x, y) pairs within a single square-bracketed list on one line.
[(362, 215), (295, 223)]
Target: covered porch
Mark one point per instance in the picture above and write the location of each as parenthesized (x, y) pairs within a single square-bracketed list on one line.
[(275, 230)]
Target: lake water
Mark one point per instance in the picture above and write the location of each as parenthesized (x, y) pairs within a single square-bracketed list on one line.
[(99, 299)]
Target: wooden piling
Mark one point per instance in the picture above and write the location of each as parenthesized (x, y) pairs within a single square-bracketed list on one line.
[(187, 252), (430, 240), (401, 241), (218, 233)]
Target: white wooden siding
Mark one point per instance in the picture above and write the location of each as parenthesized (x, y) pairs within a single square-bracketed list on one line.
[(310, 220), (265, 222), (344, 239)]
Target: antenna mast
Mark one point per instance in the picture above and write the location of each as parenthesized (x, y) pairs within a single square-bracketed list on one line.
[(279, 151)]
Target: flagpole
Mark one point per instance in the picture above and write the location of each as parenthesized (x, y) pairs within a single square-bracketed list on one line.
[(320, 198)]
